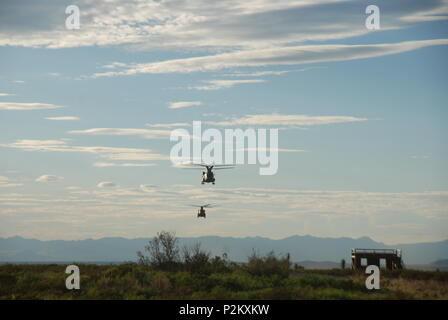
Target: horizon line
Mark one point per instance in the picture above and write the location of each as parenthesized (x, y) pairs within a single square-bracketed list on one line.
[(231, 237)]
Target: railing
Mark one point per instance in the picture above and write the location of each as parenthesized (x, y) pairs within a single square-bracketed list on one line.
[(378, 251)]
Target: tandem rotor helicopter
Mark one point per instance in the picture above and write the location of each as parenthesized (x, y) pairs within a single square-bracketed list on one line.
[(201, 211), (207, 175)]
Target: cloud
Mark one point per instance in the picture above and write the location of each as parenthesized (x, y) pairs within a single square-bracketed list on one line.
[(6, 94), (426, 14), (184, 104), (48, 178), (5, 182), (269, 73), (201, 24), (143, 133), (168, 125), (318, 212), (291, 55), (73, 188), (66, 118), (114, 164), (271, 149), (106, 184), (220, 84), (19, 81), (114, 65), (27, 106), (148, 188), (108, 153), (259, 73), (285, 120)]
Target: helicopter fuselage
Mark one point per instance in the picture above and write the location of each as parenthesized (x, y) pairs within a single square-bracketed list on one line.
[(201, 213), (208, 176)]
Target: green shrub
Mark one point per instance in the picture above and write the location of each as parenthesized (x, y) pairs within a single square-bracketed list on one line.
[(268, 265)]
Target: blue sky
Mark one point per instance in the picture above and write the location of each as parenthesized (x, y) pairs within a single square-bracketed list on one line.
[(383, 176)]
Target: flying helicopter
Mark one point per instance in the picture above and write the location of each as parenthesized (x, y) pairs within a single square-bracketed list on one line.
[(207, 175), (201, 211)]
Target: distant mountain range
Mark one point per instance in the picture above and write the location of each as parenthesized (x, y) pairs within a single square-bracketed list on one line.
[(307, 249)]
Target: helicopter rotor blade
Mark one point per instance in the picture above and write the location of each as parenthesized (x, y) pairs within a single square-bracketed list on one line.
[(188, 165), (208, 205)]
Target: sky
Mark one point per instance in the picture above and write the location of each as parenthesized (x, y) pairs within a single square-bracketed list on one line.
[(86, 116)]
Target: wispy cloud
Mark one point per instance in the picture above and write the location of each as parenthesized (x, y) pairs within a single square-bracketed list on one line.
[(285, 120), (109, 153), (221, 84), (115, 164), (106, 184), (114, 65), (65, 118), (27, 106), (148, 188), (183, 104), (271, 149), (168, 125), (291, 55), (258, 73), (199, 24), (143, 133), (48, 178), (6, 94), (318, 212), (5, 182), (269, 73), (426, 14)]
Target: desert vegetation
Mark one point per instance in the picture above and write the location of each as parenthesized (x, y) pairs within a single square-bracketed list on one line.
[(166, 271)]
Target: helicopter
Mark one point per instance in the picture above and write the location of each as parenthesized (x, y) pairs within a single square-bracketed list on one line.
[(201, 211), (207, 175)]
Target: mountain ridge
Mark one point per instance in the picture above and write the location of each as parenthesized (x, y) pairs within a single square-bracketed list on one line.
[(301, 248)]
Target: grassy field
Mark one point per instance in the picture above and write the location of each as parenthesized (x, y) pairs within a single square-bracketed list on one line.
[(166, 271), (137, 281)]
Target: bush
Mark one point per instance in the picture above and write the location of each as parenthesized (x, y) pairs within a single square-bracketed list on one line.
[(134, 281), (163, 252), (268, 265), (195, 259), (161, 282)]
